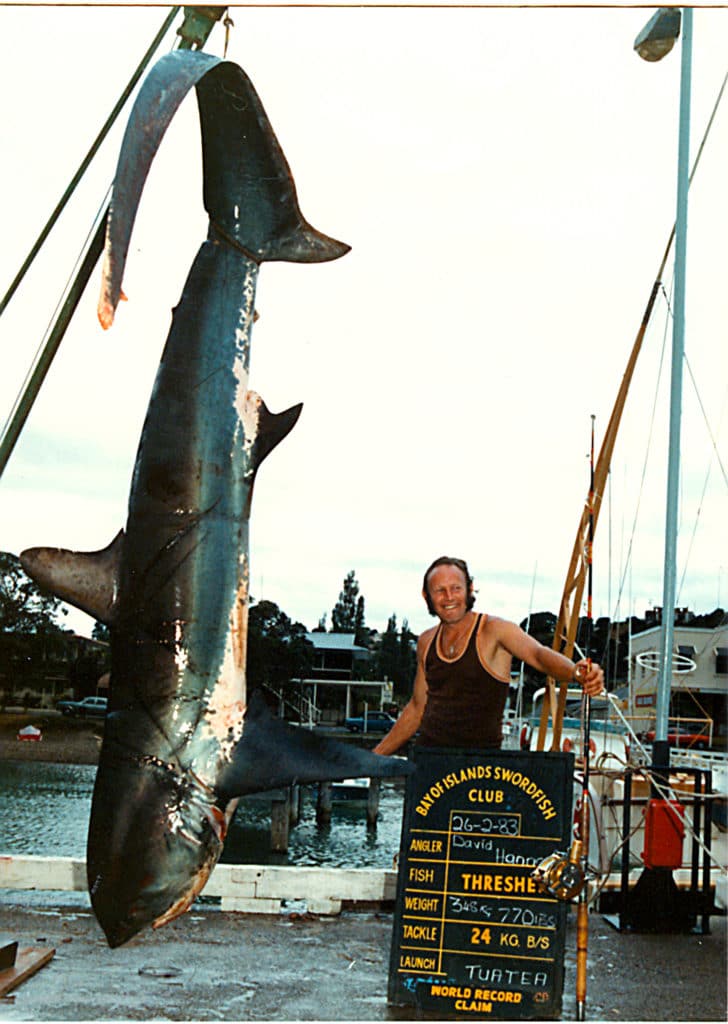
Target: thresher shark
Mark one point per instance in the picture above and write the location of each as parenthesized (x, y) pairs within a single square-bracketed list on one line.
[(182, 739)]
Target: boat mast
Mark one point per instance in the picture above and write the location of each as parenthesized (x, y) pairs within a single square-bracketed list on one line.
[(571, 600), (661, 747)]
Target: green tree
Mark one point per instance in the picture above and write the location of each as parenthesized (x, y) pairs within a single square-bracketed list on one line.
[(344, 613), (542, 626), (388, 653), (396, 657), (407, 663), (278, 650), (32, 643), (24, 606), (362, 635)]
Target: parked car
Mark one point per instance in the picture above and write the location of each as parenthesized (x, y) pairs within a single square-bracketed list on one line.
[(682, 737), (88, 707), (376, 721)]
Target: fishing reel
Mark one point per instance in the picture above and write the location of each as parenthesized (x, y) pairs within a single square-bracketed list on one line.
[(561, 875)]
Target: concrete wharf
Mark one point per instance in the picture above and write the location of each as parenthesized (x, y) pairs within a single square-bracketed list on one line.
[(294, 964)]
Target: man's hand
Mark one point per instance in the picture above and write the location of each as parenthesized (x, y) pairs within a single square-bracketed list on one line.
[(589, 676)]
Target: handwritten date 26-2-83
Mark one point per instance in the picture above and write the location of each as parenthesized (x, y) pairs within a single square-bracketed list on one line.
[(488, 825)]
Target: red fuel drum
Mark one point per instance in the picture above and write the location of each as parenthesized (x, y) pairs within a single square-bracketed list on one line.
[(664, 834)]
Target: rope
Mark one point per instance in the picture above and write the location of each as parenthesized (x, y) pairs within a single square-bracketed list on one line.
[(24, 403), (696, 163), (37, 365), (644, 467), (705, 482), (707, 423), (228, 23), (664, 791)]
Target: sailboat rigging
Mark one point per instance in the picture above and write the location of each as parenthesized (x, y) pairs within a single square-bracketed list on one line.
[(573, 591)]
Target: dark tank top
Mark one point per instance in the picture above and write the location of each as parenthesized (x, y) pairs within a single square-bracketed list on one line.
[(464, 701)]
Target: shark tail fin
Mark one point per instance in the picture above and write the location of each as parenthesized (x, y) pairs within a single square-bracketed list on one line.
[(249, 192), (272, 753), (87, 579)]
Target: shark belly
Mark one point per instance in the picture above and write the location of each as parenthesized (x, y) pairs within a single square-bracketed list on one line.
[(178, 655)]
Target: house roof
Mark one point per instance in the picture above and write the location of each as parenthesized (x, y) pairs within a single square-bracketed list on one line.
[(334, 642)]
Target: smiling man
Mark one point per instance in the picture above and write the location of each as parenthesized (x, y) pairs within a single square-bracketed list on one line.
[(464, 666)]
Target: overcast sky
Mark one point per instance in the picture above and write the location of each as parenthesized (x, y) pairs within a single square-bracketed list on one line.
[(506, 179)]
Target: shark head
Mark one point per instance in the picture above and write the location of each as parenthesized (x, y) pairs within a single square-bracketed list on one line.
[(155, 836)]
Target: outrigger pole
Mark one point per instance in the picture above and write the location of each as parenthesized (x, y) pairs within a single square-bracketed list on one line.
[(194, 31), (582, 913), (568, 619)]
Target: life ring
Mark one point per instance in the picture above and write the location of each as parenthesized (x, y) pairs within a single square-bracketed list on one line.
[(568, 745)]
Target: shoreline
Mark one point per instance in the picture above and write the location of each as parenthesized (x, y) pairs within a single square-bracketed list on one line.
[(63, 741)]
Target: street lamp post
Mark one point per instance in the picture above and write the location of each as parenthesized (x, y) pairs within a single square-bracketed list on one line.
[(655, 40)]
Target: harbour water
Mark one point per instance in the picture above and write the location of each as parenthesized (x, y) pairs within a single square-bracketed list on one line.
[(213, 965), (44, 810)]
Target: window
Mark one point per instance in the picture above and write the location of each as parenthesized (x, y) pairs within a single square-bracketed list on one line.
[(721, 661), (685, 658)]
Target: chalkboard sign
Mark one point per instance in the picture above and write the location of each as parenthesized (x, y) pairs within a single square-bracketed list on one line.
[(473, 936)]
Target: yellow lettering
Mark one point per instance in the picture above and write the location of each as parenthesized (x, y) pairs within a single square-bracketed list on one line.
[(497, 995), (424, 904), (421, 874), (421, 932), (485, 796), (472, 1006), (507, 884), (417, 963), (426, 845)]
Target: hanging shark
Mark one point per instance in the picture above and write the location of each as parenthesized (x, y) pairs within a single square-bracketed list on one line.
[(183, 740)]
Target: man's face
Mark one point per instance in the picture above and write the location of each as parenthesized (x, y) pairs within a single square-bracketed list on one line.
[(448, 591)]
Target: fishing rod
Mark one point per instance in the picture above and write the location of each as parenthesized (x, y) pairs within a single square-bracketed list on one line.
[(563, 875), (582, 913), (571, 598)]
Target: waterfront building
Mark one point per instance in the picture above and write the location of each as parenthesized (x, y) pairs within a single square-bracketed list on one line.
[(699, 692)]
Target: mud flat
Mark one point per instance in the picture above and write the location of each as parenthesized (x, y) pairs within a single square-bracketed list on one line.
[(64, 740)]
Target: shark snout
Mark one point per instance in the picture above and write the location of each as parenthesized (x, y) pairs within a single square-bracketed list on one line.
[(150, 851)]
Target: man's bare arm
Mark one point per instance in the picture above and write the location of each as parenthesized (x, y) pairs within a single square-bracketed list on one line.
[(410, 717), (550, 662)]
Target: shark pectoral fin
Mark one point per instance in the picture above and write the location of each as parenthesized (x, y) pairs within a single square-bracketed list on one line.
[(88, 580), (272, 427), (272, 753)]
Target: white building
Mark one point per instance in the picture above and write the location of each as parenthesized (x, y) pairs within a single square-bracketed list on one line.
[(334, 691), (699, 681)]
